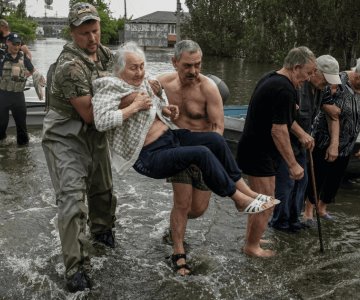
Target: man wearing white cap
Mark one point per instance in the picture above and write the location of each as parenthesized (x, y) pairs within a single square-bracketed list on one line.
[(286, 216), (333, 150)]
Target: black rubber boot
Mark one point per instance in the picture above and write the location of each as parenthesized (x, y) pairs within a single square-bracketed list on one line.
[(78, 282), (106, 238)]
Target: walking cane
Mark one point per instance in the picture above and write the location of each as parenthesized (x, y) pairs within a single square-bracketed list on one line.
[(316, 200)]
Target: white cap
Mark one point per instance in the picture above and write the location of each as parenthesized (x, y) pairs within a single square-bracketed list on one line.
[(329, 66)]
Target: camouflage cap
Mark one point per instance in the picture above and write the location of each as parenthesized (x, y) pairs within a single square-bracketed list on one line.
[(81, 12)]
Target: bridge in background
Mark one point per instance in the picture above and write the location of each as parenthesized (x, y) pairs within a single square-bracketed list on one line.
[(50, 26)]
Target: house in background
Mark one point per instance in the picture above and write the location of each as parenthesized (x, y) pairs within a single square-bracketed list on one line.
[(157, 29)]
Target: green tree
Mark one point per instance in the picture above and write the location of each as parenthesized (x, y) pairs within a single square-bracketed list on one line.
[(6, 6), (20, 11), (330, 26), (17, 19), (265, 30), (25, 27), (269, 31), (216, 25)]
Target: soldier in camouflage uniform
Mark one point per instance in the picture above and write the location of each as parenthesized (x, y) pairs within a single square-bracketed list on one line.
[(76, 153)]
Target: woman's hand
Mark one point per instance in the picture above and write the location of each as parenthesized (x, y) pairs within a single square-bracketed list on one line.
[(332, 152), (156, 87), (171, 111), (141, 102)]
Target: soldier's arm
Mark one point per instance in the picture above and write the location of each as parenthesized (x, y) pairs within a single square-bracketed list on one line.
[(84, 107), (75, 87)]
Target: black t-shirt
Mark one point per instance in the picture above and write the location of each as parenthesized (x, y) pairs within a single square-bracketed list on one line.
[(273, 102)]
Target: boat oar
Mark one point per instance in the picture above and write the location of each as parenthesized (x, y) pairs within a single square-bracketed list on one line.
[(316, 200)]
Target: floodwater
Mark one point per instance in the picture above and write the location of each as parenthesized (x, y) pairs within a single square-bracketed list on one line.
[(30, 254)]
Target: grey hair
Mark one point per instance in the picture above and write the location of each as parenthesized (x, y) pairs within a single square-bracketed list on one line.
[(298, 56), (186, 46), (120, 55)]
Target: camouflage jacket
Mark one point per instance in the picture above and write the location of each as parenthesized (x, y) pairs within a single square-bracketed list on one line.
[(74, 74)]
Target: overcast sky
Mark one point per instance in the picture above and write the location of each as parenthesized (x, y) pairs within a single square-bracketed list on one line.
[(135, 8)]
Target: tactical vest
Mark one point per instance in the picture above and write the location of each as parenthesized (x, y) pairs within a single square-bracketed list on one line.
[(13, 77), (63, 107)]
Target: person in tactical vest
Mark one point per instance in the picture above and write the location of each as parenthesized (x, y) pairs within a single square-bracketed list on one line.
[(15, 67), (4, 33), (77, 154)]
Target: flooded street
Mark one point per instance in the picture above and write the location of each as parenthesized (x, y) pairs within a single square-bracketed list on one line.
[(30, 252), (31, 262)]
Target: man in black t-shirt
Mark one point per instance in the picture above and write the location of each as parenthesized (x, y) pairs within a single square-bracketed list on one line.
[(270, 117), (291, 192)]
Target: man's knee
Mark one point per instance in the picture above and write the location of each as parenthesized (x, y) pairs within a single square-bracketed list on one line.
[(198, 210), (199, 204)]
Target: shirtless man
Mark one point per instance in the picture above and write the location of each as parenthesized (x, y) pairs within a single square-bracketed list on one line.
[(201, 109)]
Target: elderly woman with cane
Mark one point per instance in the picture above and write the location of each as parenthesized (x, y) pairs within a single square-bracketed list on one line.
[(335, 140)]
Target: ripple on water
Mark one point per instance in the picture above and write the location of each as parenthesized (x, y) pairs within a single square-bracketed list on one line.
[(30, 251)]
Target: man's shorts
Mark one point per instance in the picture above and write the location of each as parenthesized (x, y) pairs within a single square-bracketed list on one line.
[(192, 175)]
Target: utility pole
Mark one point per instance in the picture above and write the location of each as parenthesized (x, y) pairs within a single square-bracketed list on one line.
[(178, 10), (125, 14)]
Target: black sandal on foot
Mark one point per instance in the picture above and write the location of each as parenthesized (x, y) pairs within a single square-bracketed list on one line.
[(176, 267)]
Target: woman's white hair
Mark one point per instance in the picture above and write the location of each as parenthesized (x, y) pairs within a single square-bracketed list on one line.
[(120, 55)]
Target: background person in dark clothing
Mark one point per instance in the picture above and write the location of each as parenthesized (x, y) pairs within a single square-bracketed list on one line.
[(15, 67), (270, 117), (4, 34), (291, 192), (335, 134)]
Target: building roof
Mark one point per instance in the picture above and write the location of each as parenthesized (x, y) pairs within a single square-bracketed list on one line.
[(163, 17)]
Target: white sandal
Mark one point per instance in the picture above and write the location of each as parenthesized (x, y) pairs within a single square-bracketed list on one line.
[(258, 206), (267, 199)]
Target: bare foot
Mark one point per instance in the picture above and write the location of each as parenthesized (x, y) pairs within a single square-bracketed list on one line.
[(182, 271), (258, 252), (179, 264)]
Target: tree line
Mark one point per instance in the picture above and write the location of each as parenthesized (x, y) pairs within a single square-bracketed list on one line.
[(25, 25), (259, 30), (265, 30), (16, 17)]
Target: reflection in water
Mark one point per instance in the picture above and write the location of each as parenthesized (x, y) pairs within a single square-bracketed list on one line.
[(240, 77), (30, 255)]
